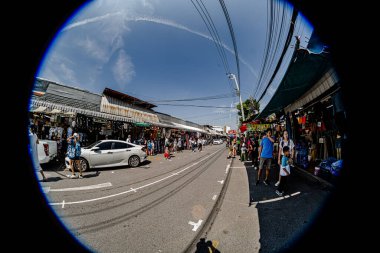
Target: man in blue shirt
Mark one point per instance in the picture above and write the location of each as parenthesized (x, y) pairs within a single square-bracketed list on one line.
[(265, 155)]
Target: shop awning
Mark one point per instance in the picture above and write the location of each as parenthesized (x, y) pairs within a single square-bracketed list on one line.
[(305, 71), (40, 109), (142, 124), (70, 111), (189, 128)]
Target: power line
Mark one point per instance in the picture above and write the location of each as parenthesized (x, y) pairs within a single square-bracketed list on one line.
[(227, 16), (287, 43), (205, 106), (221, 96), (207, 20)]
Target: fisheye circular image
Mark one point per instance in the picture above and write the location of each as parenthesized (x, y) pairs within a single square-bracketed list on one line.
[(187, 126)]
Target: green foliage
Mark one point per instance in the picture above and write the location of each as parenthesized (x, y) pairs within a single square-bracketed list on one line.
[(251, 109)]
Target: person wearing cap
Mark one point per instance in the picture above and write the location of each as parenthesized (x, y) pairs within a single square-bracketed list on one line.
[(73, 152)]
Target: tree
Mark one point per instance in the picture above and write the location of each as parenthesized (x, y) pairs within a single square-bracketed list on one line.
[(251, 108)]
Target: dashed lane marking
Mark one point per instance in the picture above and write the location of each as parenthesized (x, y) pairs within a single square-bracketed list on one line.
[(214, 197), (82, 188), (276, 199)]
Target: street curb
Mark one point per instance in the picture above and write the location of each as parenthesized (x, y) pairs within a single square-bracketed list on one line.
[(312, 177)]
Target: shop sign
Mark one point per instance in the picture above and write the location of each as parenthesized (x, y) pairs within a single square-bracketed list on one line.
[(257, 127), (232, 132)]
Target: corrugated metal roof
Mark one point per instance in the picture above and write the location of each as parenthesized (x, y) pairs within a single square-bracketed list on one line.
[(127, 98), (64, 108)]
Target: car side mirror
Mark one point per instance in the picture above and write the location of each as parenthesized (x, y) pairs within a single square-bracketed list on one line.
[(95, 148)]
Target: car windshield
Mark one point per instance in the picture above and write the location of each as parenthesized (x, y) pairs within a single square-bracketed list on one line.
[(92, 145)]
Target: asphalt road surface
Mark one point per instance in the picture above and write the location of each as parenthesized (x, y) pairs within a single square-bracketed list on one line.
[(168, 205), (157, 207)]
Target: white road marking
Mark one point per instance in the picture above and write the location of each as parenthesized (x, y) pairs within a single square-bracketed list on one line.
[(222, 181), (214, 197), (63, 204), (81, 188), (112, 172), (195, 225), (276, 199), (175, 174), (227, 168), (134, 190), (125, 192)]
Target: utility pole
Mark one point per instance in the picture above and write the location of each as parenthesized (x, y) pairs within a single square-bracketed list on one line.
[(233, 77)]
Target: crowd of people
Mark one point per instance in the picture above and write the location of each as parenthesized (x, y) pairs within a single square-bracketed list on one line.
[(259, 148)]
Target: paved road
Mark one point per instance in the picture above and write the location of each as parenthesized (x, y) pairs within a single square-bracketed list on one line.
[(163, 206), (157, 207)]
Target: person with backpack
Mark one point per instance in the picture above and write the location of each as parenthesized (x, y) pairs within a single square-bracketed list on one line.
[(285, 141)]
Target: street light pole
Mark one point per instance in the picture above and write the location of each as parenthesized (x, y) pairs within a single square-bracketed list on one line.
[(232, 76)]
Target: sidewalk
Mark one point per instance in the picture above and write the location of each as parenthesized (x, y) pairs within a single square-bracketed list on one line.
[(236, 227)]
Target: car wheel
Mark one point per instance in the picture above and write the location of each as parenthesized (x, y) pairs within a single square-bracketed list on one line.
[(83, 164), (134, 161)]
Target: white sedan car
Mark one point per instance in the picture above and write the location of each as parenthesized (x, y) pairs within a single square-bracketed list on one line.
[(110, 153), (217, 141)]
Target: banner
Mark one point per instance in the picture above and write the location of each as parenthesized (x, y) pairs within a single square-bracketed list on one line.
[(257, 127)]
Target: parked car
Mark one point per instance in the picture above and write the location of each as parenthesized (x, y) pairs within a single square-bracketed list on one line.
[(47, 151), (110, 153), (217, 141)]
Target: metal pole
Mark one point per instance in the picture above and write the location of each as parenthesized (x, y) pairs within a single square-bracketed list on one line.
[(232, 76)]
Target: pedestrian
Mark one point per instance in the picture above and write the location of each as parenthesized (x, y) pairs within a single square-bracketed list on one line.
[(152, 150), (193, 144), (243, 152), (200, 145), (265, 156), (149, 147), (129, 139), (284, 171), (234, 148), (73, 152), (34, 152), (284, 142), (255, 150), (175, 145), (179, 145), (167, 153)]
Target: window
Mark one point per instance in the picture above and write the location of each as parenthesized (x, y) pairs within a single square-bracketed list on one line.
[(121, 145), (105, 145)]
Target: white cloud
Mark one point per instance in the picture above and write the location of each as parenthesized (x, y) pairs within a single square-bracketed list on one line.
[(157, 21), (94, 49), (68, 73), (91, 20), (123, 69)]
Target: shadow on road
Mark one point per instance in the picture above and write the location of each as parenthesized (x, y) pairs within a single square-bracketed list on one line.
[(283, 220), (206, 247)]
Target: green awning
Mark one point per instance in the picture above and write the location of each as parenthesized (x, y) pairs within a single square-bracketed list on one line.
[(142, 124), (303, 73)]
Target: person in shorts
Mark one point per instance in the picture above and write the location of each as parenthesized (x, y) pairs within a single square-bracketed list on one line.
[(265, 156), (73, 152)]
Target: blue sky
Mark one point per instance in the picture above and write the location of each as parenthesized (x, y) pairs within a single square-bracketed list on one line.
[(161, 49)]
